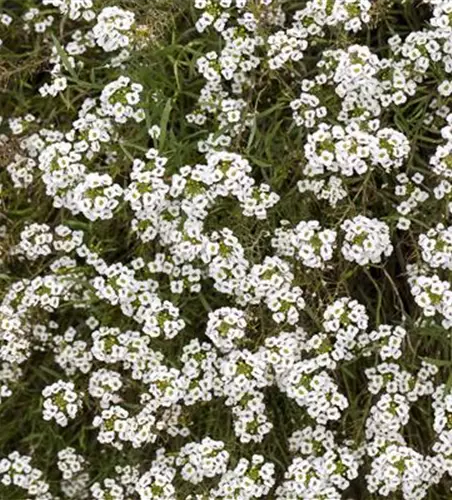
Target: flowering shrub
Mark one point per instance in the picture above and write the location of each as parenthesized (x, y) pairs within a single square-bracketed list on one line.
[(226, 249)]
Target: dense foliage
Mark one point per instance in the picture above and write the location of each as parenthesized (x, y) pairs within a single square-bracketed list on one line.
[(226, 250)]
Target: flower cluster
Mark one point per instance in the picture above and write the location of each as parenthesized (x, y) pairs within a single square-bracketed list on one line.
[(307, 242), (205, 459), (366, 240), (112, 27), (61, 402), (16, 470)]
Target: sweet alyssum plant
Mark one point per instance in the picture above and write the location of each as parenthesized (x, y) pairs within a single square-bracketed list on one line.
[(226, 249)]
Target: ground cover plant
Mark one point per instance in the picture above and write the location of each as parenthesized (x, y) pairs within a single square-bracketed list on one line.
[(225, 249)]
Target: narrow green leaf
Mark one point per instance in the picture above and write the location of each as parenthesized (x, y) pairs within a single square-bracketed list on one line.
[(164, 122)]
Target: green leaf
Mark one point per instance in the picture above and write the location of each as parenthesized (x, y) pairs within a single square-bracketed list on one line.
[(62, 53), (164, 122)]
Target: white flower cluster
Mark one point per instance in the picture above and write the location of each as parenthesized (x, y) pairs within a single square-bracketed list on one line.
[(351, 150), (16, 470), (61, 402), (205, 459), (75, 483), (317, 392), (74, 9), (366, 240), (409, 188), (401, 468), (39, 240), (37, 20), (307, 242), (103, 384), (321, 468), (432, 295), (249, 479), (226, 327), (109, 488), (436, 247), (69, 463), (119, 99), (112, 27), (96, 196)]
